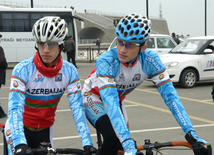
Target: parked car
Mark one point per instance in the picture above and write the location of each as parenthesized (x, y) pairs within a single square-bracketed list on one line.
[(191, 61), (159, 43)]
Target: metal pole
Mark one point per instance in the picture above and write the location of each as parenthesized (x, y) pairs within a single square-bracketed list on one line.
[(31, 3), (205, 17), (147, 9)]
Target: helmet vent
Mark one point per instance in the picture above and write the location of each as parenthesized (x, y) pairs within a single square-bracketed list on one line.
[(146, 28), (129, 17), (131, 33), (141, 38), (125, 34), (44, 29), (119, 28), (133, 39), (50, 30), (38, 30), (135, 25), (55, 33), (137, 32), (133, 20), (126, 22), (123, 20), (141, 25), (122, 30), (128, 27), (139, 20), (117, 34), (143, 33), (136, 16), (145, 21)]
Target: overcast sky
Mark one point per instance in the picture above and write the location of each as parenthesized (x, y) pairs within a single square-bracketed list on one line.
[(183, 16)]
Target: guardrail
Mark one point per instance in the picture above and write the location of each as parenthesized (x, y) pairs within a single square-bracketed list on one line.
[(89, 54)]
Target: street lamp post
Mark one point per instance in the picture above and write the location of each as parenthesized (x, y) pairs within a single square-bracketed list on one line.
[(205, 17), (147, 9), (31, 3)]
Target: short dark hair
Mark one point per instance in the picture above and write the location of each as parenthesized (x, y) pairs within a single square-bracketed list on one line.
[(173, 34), (70, 36), (0, 35)]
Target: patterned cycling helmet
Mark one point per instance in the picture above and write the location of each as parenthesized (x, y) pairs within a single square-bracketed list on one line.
[(50, 28), (133, 28)]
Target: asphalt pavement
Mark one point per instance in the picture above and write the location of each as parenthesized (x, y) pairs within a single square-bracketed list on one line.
[(149, 117)]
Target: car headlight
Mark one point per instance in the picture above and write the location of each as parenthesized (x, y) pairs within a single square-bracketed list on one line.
[(170, 64)]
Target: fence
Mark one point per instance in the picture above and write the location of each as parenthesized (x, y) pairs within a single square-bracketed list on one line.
[(89, 54)]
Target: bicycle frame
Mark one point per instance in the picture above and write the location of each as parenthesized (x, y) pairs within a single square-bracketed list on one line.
[(149, 146), (45, 148), (4, 140)]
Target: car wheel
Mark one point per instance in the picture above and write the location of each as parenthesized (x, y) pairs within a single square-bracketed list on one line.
[(188, 78)]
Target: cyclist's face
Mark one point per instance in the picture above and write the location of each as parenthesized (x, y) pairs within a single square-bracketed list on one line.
[(48, 53), (128, 51)]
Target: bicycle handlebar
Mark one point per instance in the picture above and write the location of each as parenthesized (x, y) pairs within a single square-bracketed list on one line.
[(157, 145), (52, 150)]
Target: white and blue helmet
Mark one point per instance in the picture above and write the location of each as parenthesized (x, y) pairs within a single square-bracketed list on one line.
[(133, 28)]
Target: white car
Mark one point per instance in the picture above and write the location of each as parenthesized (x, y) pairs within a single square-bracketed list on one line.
[(191, 61), (159, 43)]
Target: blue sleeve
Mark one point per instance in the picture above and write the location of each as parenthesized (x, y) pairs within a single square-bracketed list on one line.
[(154, 68), (19, 79), (76, 105)]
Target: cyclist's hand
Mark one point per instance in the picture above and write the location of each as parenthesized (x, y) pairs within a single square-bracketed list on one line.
[(200, 147), (89, 150), (129, 148), (21, 149)]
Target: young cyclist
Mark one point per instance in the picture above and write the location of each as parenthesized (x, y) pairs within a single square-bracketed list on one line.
[(118, 72), (37, 84)]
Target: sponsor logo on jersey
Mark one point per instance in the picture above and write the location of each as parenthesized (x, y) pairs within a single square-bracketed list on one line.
[(8, 132), (46, 91), (88, 93), (156, 65), (110, 80), (78, 85), (121, 86), (161, 76), (39, 78), (15, 83), (58, 77), (93, 107), (121, 77), (178, 113), (11, 144), (136, 77)]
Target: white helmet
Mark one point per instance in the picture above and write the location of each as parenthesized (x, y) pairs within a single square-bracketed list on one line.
[(50, 28)]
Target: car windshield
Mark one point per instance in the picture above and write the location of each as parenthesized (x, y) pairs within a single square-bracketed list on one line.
[(189, 46)]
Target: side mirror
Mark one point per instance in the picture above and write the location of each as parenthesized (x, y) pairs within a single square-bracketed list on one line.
[(207, 51)]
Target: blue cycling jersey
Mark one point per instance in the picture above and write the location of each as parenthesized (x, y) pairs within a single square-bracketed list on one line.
[(34, 97), (113, 80)]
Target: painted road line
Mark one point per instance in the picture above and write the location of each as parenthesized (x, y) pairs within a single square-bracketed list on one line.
[(185, 98), (168, 111)]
